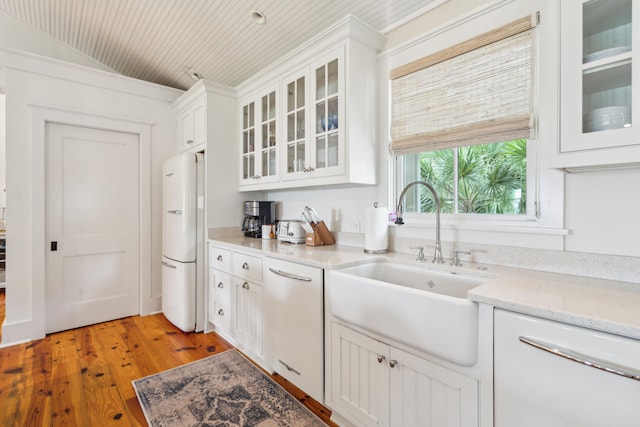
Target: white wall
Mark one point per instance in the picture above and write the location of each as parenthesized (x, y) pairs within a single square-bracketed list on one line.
[(39, 84), (599, 207), (16, 34), (3, 179)]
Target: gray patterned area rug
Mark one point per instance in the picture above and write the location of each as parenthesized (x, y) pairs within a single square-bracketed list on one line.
[(225, 389)]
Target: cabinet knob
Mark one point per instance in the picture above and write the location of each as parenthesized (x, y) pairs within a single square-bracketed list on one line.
[(219, 258), (381, 358), (245, 266), (189, 141), (220, 312), (221, 285), (393, 363), (245, 285)]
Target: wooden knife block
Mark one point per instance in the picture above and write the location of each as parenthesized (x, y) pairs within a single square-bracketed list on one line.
[(320, 236)]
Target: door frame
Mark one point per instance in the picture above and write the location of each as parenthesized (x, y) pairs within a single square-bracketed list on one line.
[(40, 116)]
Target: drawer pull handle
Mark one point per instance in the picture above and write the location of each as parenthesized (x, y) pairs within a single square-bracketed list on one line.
[(221, 312), (245, 266), (245, 285), (175, 211), (289, 275), (221, 285), (582, 359), (289, 368), (219, 258), (381, 358), (393, 363)]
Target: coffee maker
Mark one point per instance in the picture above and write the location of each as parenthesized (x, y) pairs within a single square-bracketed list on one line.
[(257, 214)]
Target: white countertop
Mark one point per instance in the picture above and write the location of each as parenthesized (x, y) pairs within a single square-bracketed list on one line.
[(605, 305)]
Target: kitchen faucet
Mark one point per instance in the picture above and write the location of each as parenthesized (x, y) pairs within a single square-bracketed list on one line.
[(437, 255)]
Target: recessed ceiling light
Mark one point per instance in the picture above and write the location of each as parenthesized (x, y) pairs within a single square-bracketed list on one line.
[(258, 17), (193, 74)]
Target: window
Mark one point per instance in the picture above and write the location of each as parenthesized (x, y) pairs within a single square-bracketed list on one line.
[(480, 179), (463, 120)]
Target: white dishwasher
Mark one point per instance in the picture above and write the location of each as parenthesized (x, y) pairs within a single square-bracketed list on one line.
[(293, 303), (552, 374)]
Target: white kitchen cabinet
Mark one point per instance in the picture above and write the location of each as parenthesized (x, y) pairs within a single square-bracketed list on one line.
[(327, 119), (538, 387), (220, 300), (235, 294), (192, 127), (293, 303), (375, 384), (320, 150), (260, 137), (247, 315), (199, 110), (600, 125)]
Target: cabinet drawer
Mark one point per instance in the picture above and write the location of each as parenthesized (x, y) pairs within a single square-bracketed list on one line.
[(221, 316), (221, 285), (219, 259), (246, 266)]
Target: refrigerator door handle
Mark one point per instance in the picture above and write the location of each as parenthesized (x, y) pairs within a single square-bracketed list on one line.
[(175, 211), (166, 264)]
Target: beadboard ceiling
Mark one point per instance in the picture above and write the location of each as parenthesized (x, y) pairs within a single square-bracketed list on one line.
[(162, 40)]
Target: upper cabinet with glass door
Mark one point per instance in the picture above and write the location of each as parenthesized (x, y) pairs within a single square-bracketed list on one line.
[(600, 125), (318, 152), (259, 140), (327, 117)]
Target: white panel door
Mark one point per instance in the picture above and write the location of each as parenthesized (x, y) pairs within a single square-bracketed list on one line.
[(92, 226)]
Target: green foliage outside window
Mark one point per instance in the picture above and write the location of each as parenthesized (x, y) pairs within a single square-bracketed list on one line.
[(491, 178)]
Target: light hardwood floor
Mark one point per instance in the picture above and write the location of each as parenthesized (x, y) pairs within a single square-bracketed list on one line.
[(82, 377)]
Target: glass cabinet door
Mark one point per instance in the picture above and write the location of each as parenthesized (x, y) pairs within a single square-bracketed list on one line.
[(296, 117), (598, 84), (268, 135), (606, 65), (327, 115), (248, 141)]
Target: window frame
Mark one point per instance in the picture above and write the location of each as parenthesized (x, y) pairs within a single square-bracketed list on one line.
[(543, 225), (532, 193)]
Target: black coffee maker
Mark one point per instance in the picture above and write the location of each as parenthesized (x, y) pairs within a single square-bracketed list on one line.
[(257, 214)]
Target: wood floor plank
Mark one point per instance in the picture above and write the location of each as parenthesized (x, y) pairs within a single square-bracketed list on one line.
[(82, 377)]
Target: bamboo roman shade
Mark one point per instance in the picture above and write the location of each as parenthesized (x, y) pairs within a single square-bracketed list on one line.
[(476, 92)]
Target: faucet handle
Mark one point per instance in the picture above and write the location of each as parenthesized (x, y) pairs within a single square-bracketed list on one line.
[(456, 259), (420, 252)]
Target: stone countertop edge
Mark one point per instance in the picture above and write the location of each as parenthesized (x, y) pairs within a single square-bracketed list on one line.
[(604, 305)]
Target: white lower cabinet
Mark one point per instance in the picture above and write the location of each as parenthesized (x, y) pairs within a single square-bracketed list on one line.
[(220, 300), (247, 315), (375, 384), (235, 300)]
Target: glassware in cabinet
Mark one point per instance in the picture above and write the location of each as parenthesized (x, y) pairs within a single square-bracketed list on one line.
[(598, 84), (296, 117), (606, 69), (248, 141), (327, 115), (269, 135)]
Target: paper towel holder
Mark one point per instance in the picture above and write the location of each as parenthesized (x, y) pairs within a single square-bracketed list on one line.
[(376, 251)]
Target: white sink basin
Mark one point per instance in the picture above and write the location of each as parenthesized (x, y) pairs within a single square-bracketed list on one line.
[(423, 308)]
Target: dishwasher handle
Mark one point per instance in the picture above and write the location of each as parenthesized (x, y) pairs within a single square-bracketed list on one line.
[(582, 359), (289, 275)]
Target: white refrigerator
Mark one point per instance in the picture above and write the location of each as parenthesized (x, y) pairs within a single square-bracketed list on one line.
[(183, 241)]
